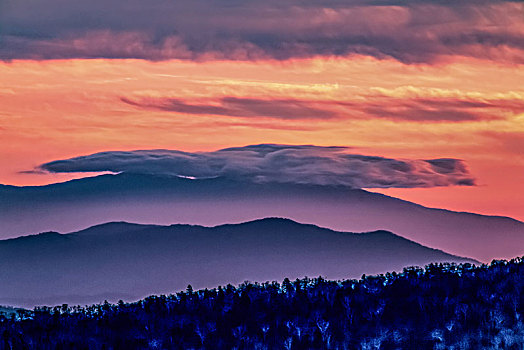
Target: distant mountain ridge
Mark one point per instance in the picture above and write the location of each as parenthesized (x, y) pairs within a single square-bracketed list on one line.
[(129, 261), (75, 204)]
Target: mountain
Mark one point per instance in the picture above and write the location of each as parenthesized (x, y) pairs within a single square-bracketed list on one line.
[(166, 200), (128, 261)]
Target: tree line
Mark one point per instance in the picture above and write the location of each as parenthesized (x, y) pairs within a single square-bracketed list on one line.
[(443, 306)]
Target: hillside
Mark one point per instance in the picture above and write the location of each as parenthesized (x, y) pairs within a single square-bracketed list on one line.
[(442, 307), (129, 261)]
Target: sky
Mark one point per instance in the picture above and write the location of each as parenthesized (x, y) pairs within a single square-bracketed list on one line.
[(414, 80)]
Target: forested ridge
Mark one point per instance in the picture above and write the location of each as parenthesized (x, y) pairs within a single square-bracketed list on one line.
[(444, 306)]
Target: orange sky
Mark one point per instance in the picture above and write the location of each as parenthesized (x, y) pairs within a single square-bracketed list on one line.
[(59, 109)]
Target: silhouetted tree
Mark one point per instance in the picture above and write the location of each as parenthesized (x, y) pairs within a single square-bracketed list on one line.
[(443, 306)]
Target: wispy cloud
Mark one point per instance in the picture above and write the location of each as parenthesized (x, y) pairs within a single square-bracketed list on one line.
[(441, 109), (377, 106), (303, 164), (240, 107), (410, 31)]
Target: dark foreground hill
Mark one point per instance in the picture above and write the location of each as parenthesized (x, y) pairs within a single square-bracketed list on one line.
[(128, 261), (73, 205), (442, 307)]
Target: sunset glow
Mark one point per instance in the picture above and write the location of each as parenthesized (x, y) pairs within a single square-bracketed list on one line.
[(165, 164), (467, 109)]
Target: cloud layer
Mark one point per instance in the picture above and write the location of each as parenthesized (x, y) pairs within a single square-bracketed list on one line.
[(410, 31), (401, 109), (266, 163)]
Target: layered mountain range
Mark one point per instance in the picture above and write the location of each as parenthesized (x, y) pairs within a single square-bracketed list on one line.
[(162, 199)]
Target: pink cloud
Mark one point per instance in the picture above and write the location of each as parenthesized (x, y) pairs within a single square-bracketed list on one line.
[(410, 31), (407, 109)]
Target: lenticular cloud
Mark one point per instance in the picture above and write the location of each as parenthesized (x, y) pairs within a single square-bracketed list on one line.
[(266, 163)]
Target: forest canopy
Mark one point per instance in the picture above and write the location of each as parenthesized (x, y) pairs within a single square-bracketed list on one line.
[(444, 306)]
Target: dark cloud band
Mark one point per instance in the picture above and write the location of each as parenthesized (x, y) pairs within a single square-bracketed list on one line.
[(277, 163), (240, 107), (410, 31), (401, 109)]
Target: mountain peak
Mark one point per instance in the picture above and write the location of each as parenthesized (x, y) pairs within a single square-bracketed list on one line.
[(127, 260)]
